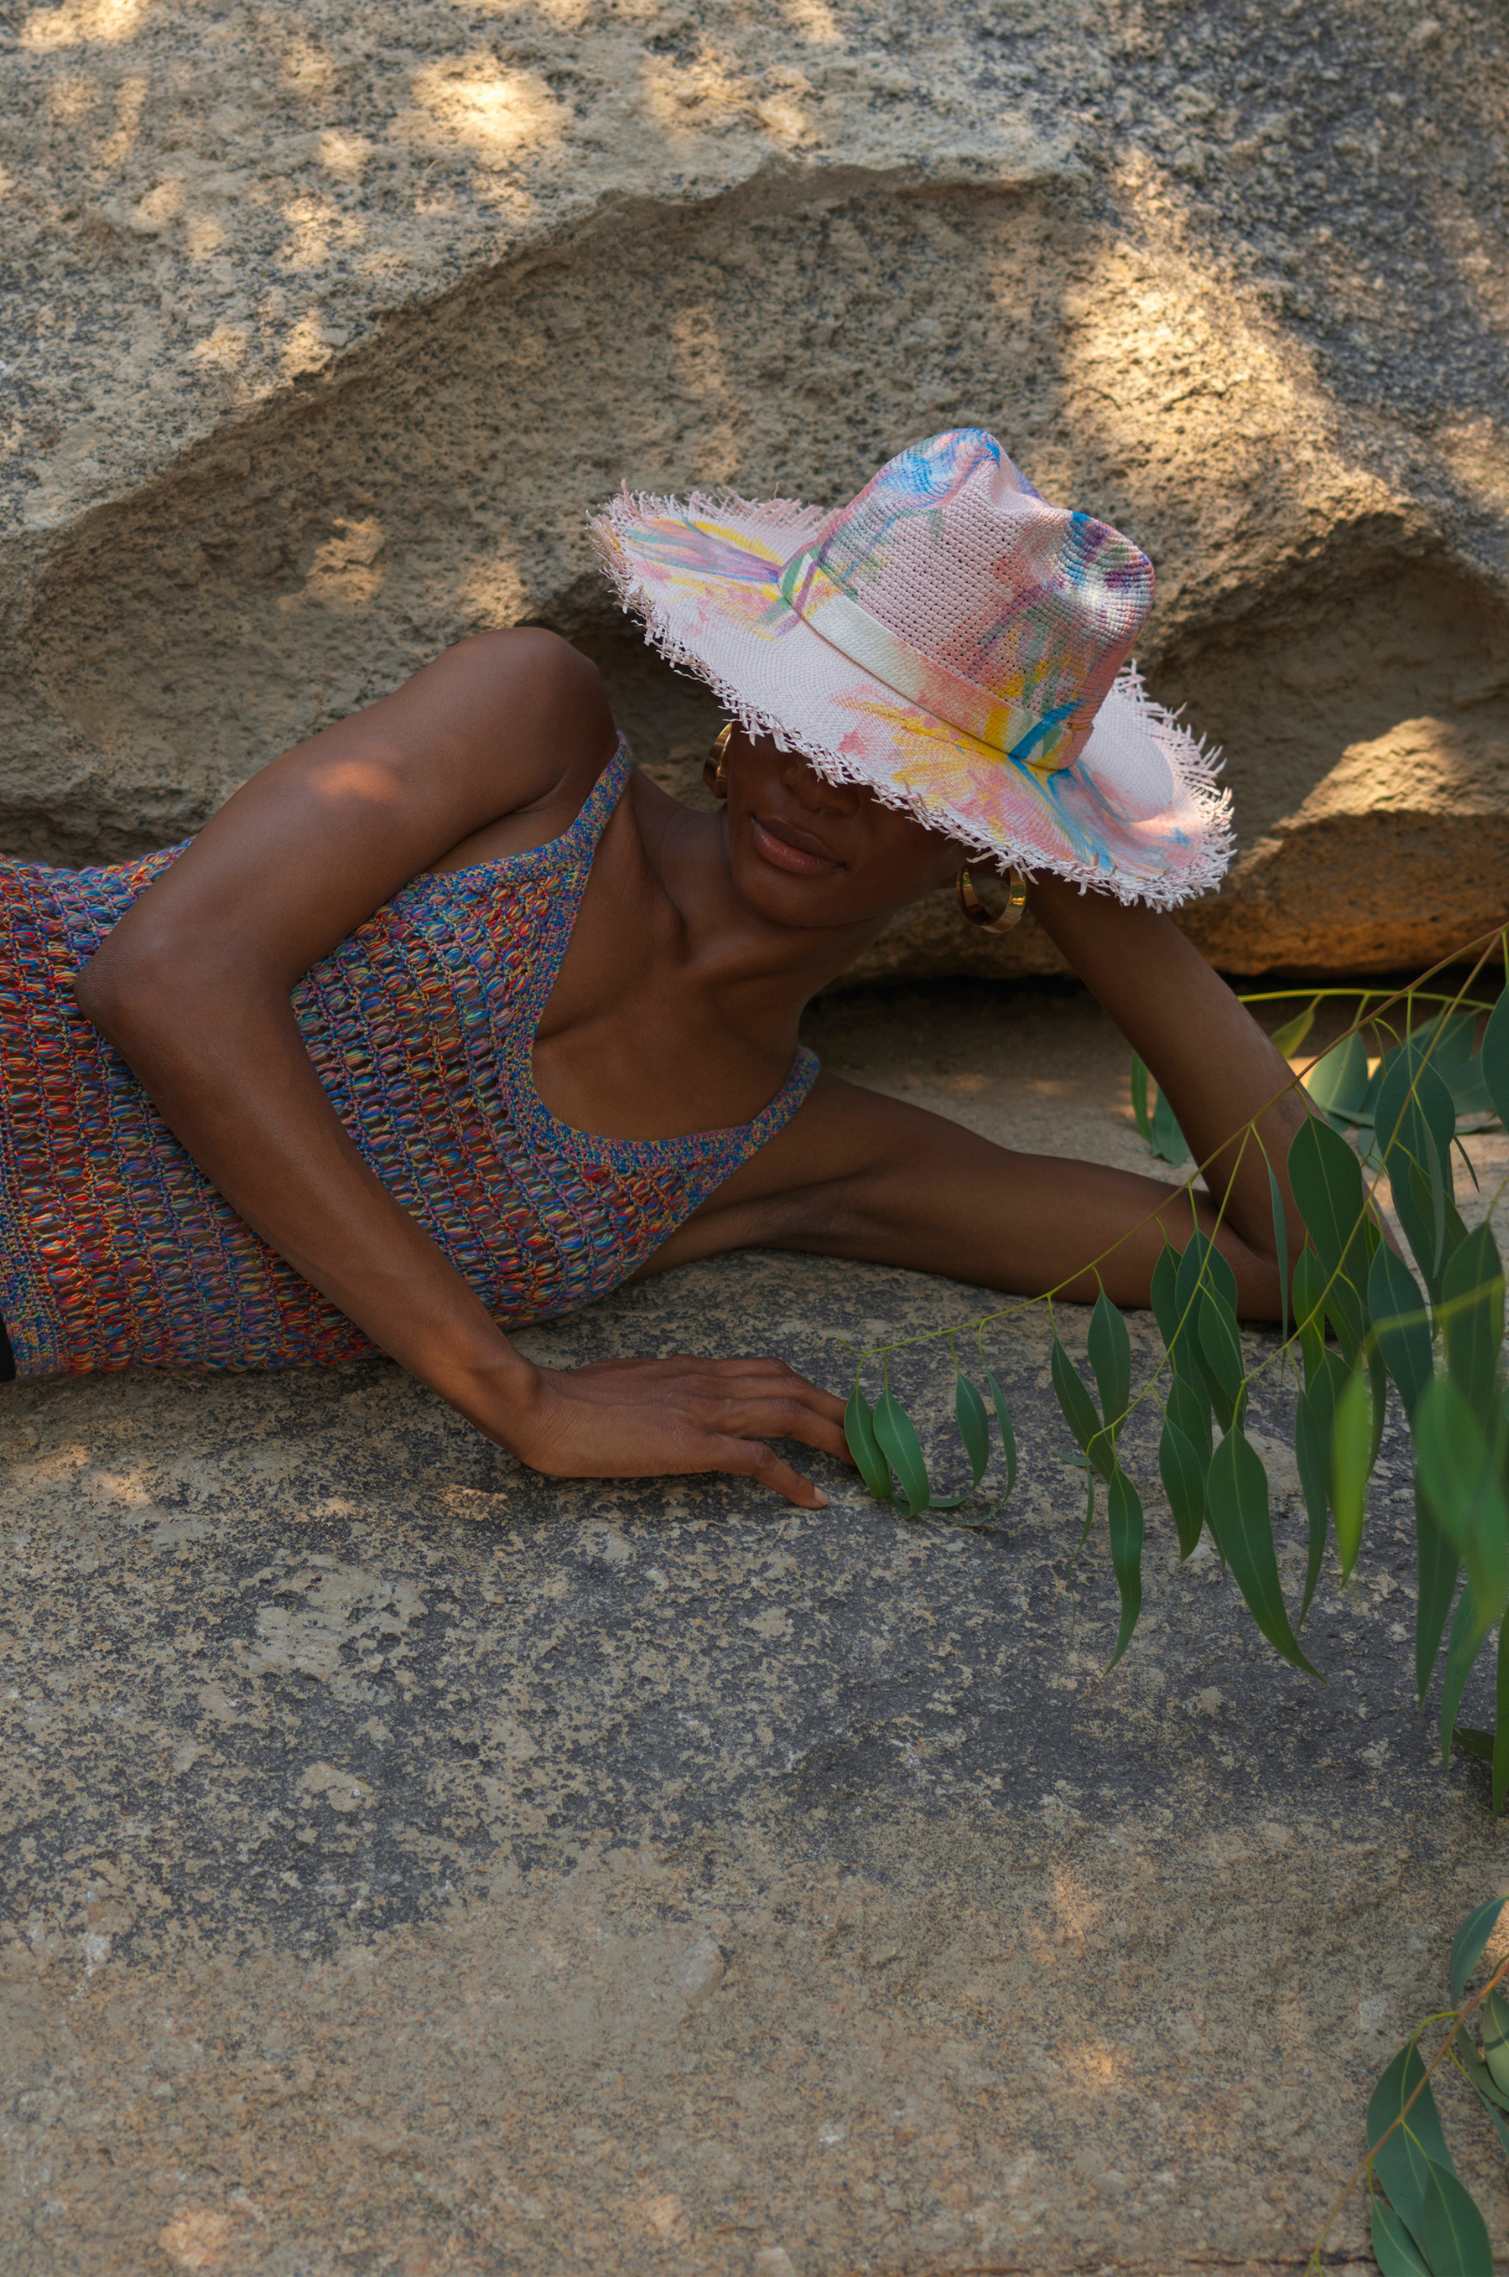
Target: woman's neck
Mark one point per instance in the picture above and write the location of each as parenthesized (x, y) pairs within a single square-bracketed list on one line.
[(764, 971)]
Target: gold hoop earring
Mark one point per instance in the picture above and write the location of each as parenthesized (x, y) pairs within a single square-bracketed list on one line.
[(715, 765), (1003, 919)]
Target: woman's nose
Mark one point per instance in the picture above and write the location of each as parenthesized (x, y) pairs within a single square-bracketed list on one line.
[(810, 789)]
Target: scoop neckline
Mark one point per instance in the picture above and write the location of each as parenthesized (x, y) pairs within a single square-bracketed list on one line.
[(579, 843)]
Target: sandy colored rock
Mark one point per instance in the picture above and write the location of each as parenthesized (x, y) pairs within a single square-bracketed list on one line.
[(325, 335), (414, 1866)]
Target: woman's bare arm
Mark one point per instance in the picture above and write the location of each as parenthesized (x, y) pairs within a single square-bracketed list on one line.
[(1210, 1058), (193, 986), (878, 1178), (921, 1191)]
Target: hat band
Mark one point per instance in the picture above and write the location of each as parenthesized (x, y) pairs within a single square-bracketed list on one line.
[(837, 618)]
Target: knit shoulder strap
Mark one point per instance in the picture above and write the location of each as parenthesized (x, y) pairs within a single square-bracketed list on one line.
[(573, 850), (579, 842)]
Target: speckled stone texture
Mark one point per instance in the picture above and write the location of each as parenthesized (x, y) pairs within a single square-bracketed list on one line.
[(326, 327), (416, 1869)]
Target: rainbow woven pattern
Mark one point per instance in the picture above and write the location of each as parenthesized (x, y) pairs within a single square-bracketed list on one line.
[(116, 1251)]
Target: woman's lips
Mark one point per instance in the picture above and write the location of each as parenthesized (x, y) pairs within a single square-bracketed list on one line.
[(786, 848)]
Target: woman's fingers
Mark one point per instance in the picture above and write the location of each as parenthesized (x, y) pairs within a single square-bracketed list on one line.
[(783, 1416), (637, 1418), (788, 1388), (763, 1378), (752, 1458)]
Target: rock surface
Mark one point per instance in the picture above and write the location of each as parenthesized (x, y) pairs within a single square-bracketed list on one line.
[(415, 1868), (327, 330)]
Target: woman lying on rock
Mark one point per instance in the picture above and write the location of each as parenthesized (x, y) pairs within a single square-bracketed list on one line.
[(450, 1020)]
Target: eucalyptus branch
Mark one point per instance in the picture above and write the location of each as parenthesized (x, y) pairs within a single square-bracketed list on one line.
[(1458, 2016)]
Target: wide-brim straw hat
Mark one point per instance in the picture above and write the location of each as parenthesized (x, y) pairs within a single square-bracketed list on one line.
[(953, 642)]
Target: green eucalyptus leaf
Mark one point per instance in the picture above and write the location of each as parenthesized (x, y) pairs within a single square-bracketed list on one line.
[(1201, 1260), (1470, 1943), (1305, 1285), (1402, 2162), (954, 1502), (1418, 1163), (1084, 1531), (1004, 1426), (1110, 1351), (1494, 1057), (1413, 1108), (1140, 1114), (1453, 2236), (1495, 2014), (1472, 1283), (902, 1449), (1292, 1034), (1351, 1461), (1220, 1348), (1237, 1505), (1166, 1139), (1280, 1249), (1469, 2056), (859, 1431), (1338, 1080), (1378, 1397), (1495, 2104), (1436, 1570), (1456, 1465), (1326, 1179), (1401, 1322), (1163, 1298), (1189, 1405), (1425, 1215), (1079, 1410), (1314, 1424), (974, 1425), (1203, 1270), (1470, 1631), (1452, 1037), (1345, 1306), (1393, 2248), (1126, 1529), (1183, 1476)]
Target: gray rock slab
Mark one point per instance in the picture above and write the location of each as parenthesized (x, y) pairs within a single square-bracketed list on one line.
[(413, 1866)]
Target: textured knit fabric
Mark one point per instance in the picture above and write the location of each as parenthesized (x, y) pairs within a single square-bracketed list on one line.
[(953, 642), (115, 1249)]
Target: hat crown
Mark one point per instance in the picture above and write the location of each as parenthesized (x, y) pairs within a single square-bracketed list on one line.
[(951, 549)]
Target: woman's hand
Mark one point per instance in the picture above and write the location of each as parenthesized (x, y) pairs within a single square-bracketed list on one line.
[(661, 1418)]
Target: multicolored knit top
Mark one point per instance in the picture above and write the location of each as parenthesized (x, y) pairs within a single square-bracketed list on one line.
[(116, 1251)]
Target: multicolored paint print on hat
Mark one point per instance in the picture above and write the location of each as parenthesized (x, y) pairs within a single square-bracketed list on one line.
[(954, 642)]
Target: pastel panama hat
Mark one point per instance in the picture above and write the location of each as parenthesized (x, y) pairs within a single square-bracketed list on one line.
[(953, 642)]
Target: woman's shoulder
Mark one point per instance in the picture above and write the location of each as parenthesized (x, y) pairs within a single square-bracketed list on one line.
[(562, 701)]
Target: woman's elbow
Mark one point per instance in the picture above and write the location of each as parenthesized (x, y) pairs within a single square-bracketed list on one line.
[(124, 991)]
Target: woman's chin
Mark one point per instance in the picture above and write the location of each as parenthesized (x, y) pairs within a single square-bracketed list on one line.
[(784, 897)]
